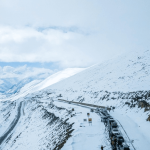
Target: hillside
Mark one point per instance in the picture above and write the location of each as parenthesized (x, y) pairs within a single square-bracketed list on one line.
[(130, 72), (37, 85), (125, 79), (122, 84)]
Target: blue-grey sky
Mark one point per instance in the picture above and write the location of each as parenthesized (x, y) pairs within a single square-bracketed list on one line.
[(71, 33)]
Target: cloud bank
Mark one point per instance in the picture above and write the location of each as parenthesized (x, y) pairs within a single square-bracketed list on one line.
[(72, 33), (24, 72)]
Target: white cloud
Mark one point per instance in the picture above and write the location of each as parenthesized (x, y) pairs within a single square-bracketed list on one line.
[(75, 33), (24, 72), (49, 12), (50, 45)]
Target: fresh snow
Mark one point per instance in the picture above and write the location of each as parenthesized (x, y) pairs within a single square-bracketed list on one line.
[(130, 72), (61, 75), (116, 83), (85, 136), (37, 85), (135, 126), (12, 79)]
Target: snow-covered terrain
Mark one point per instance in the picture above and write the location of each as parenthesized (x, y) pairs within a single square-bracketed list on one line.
[(13, 79), (122, 83), (61, 75), (41, 126), (130, 72), (37, 85), (85, 136)]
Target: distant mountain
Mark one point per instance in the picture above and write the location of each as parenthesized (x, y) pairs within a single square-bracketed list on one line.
[(13, 79), (7, 83), (33, 84), (16, 88)]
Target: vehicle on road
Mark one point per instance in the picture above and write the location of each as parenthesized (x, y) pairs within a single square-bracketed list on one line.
[(120, 140), (92, 110), (123, 147), (112, 126), (110, 122)]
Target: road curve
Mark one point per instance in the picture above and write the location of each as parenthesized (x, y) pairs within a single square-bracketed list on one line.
[(84, 104), (12, 125), (91, 105)]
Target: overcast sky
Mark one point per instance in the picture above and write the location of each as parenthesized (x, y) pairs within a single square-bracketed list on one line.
[(72, 33)]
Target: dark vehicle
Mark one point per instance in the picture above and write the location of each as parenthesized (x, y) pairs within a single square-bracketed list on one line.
[(104, 113), (114, 132), (92, 110), (124, 147), (110, 121), (110, 117), (97, 110), (113, 126), (120, 139), (114, 143), (104, 119)]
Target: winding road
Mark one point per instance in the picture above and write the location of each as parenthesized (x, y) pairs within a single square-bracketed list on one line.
[(12, 125), (97, 106)]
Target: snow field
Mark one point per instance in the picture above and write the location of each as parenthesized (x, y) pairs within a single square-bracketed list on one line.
[(37, 85), (39, 127), (85, 136), (133, 119), (135, 125), (130, 73)]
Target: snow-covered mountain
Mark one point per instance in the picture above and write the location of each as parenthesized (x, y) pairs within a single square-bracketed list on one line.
[(23, 89), (122, 83), (130, 72), (55, 78), (12, 79)]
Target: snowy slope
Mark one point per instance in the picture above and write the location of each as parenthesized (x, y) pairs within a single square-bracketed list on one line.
[(42, 125), (122, 83), (37, 85), (130, 72), (61, 75)]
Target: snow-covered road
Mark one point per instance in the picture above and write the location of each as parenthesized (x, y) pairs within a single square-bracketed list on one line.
[(85, 137), (12, 125), (136, 128)]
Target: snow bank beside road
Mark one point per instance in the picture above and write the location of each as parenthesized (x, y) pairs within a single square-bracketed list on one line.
[(135, 125), (85, 137)]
